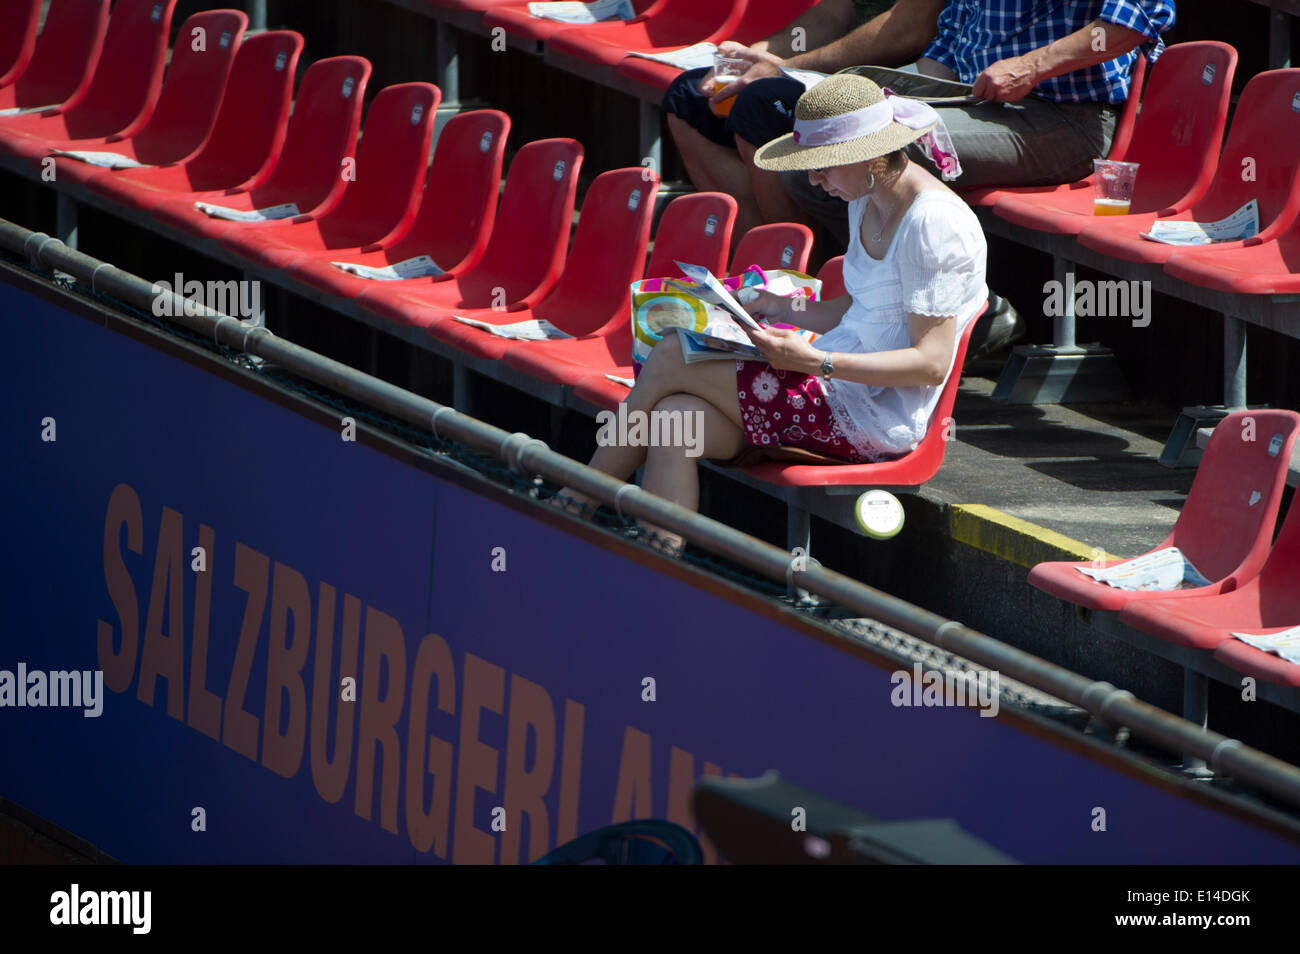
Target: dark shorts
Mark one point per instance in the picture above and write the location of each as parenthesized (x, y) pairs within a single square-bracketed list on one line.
[(764, 110)]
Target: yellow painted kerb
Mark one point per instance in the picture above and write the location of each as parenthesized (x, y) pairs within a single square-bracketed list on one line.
[(1015, 540)]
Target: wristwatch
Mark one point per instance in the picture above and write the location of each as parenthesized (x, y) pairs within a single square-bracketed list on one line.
[(828, 367)]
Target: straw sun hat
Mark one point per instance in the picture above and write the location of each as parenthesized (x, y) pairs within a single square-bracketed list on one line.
[(846, 119)]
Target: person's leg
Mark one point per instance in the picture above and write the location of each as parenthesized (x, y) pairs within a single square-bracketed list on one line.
[(774, 203), (1033, 142), (672, 474), (666, 373)]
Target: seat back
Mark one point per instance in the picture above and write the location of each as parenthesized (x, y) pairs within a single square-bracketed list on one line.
[(531, 234), (1179, 130), (392, 164), (1261, 159), (924, 462), (1226, 525), (1119, 143), (128, 77), (780, 245), (322, 133), (607, 256), (66, 54), (698, 19), (459, 205), (761, 19), (194, 88), (695, 229), (18, 22), (832, 278), (248, 135)]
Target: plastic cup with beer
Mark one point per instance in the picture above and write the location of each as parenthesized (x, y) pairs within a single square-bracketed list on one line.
[(1112, 186), (726, 70)]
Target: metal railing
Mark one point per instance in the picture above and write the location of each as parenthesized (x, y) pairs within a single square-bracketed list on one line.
[(1110, 706)]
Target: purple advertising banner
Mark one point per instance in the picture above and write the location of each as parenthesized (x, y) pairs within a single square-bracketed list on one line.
[(312, 646)]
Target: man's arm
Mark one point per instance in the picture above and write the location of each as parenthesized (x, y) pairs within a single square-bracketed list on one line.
[(894, 37), (1012, 79), (821, 24)]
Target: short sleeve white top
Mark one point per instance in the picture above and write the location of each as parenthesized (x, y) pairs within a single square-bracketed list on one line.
[(933, 266)]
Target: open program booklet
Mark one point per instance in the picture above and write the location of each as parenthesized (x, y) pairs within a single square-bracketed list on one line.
[(1164, 569)]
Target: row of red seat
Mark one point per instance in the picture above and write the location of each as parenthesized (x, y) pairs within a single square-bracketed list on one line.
[(218, 131), (1188, 173), (1225, 530), (659, 26)]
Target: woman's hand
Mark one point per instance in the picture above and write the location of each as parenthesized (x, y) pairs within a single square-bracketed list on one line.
[(764, 304), (786, 350)]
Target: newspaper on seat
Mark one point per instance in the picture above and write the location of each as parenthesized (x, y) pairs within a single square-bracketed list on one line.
[(1164, 569), (598, 11)]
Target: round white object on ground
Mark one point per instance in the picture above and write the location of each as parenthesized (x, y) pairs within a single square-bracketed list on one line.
[(879, 513)]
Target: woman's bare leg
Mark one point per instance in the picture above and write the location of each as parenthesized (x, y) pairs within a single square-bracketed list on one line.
[(666, 373), (672, 474)]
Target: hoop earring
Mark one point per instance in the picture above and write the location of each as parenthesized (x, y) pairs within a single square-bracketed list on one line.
[(872, 184)]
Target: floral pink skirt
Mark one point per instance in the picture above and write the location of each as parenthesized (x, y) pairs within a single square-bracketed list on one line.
[(789, 409)]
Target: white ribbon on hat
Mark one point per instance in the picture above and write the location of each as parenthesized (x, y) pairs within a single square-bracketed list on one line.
[(911, 113)]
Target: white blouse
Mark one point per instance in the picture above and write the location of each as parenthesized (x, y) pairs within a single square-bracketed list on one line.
[(933, 266)]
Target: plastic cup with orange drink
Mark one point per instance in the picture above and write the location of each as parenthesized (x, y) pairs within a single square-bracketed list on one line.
[(726, 70), (1112, 186)]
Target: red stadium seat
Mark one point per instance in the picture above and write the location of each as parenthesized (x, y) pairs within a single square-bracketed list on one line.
[(524, 256), (1176, 142), (676, 24), (779, 245), (191, 97), (695, 229), (832, 278), (1225, 526), (380, 205), (1272, 268), (20, 18), (514, 18), (989, 196), (905, 473), (758, 22), (1264, 139), (594, 290), (322, 134), (122, 94), (246, 139), (65, 58), (456, 213), (1269, 601), (1250, 661)]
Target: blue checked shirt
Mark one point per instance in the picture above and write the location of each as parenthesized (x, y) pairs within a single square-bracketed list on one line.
[(974, 34)]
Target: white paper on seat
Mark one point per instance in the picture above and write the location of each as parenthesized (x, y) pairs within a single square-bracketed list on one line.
[(1285, 644), (534, 329), (689, 58), (626, 382), (418, 267), (24, 110), (1242, 224), (597, 11), (1163, 569), (105, 160), (286, 211)]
